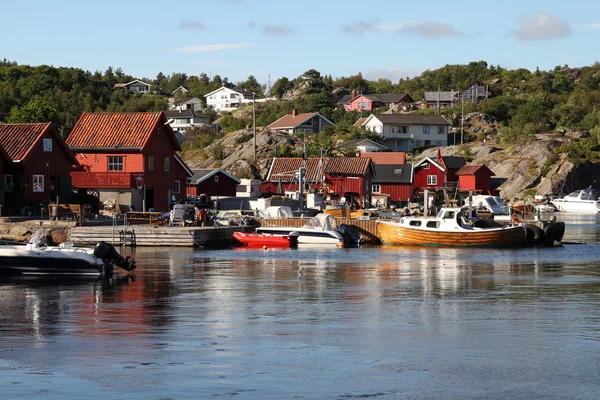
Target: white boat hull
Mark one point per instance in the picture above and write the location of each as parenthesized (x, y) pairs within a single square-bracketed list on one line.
[(577, 206), (306, 236)]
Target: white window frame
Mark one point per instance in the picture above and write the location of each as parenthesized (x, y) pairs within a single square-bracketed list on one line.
[(431, 180), (376, 188), (38, 184), (116, 163), (176, 187), (47, 144)]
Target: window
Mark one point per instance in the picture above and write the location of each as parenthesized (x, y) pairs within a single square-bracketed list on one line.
[(176, 187), (47, 144), (167, 164), (426, 130), (439, 143), (376, 189), (399, 129), (433, 224), (150, 163), (115, 163), (426, 165), (38, 183), (216, 178), (363, 105), (441, 130), (415, 223), (431, 180), (308, 122), (8, 183)]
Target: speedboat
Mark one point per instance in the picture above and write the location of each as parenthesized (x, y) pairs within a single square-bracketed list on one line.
[(266, 239), (449, 228), (36, 258), (582, 201), (320, 229)]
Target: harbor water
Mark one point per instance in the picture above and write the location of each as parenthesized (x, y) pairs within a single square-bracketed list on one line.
[(315, 323)]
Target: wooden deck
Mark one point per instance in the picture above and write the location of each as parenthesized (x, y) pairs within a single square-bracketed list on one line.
[(144, 235)]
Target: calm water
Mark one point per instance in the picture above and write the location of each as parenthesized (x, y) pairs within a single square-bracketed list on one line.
[(385, 323)]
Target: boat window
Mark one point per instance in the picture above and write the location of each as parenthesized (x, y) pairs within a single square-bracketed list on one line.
[(587, 196), (491, 201), (433, 224), (574, 194), (449, 215), (415, 223)]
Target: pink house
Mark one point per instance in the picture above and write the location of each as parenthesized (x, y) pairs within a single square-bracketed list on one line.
[(369, 102)]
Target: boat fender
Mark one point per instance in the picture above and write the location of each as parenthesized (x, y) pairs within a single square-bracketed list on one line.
[(534, 235), (560, 231), (551, 233)]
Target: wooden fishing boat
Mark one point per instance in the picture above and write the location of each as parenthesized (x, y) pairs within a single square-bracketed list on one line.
[(266, 239), (449, 229)]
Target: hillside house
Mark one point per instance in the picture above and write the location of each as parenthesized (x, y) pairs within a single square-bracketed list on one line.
[(440, 99), (387, 157), (135, 86), (36, 165), (129, 159), (437, 173), (404, 132), (362, 146), (369, 102), (227, 99), (187, 103), (307, 122), (182, 120)]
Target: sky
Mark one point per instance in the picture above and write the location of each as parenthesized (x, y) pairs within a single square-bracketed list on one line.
[(272, 39)]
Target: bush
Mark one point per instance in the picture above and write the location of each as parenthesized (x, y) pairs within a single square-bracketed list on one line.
[(244, 138), (217, 151)]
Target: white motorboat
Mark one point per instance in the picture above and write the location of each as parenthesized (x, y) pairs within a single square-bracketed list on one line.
[(320, 229), (36, 258), (581, 201)]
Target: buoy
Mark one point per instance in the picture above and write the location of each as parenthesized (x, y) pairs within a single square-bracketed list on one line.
[(341, 245), (264, 247)]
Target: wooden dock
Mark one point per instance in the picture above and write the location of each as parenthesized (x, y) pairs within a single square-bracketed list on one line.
[(145, 235), (365, 228)]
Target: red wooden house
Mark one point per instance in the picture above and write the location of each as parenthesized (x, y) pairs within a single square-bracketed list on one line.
[(129, 158), (350, 177), (38, 166), (369, 102), (393, 182), (475, 177), (213, 183)]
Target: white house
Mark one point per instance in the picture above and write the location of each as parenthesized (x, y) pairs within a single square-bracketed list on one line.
[(187, 103), (182, 120), (248, 188), (227, 99), (180, 91), (363, 146), (403, 132), (135, 86)]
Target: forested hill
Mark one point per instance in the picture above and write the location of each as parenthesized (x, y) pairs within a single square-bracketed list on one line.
[(524, 102)]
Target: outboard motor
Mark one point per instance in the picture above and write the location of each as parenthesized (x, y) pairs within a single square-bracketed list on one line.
[(108, 253)]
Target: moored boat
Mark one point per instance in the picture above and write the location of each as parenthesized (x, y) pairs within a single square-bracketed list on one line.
[(582, 201), (449, 228), (266, 239), (320, 229)]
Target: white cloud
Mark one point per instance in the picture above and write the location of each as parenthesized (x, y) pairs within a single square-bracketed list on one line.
[(544, 26), (192, 25), (424, 29), (199, 48), (393, 74), (277, 30)]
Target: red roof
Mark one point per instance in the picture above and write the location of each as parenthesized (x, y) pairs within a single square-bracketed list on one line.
[(386, 157), (116, 130), (285, 169), (18, 139), (291, 121), (471, 169)]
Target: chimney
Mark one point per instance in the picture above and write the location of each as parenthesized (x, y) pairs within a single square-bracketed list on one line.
[(294, 112), (353, 94)]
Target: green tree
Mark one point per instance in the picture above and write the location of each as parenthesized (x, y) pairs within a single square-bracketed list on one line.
[(36, 110)]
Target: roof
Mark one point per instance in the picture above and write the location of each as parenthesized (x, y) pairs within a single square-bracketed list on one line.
[(386, 157), (18, 140), (360, 121), (393, 173), (187, 169), (184, 100), (200, 175), (453, 162), (358, 142), (471, 169), (184, 114), (116, 130), (410, 119), (243, 92), (387, 97), (441, 96), (180, 88), (431, 161), (285, 169), (345, 99), (136, 81), (291, 121)]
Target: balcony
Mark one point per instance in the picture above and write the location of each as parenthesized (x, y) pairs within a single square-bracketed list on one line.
[(390, 135), (103, 180)]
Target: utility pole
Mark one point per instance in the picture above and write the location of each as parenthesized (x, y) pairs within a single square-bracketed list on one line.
[(254, 124), (462, 119)]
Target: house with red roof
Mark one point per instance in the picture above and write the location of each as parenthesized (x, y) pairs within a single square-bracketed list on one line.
[(306, 122), (350, 177), (36, 165), (475, 177), (437, 173), (128, 158)]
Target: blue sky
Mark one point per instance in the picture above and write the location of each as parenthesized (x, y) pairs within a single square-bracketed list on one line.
[(237, 38)]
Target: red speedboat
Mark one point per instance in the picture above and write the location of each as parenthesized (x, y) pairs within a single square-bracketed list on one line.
[(266, 239)]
